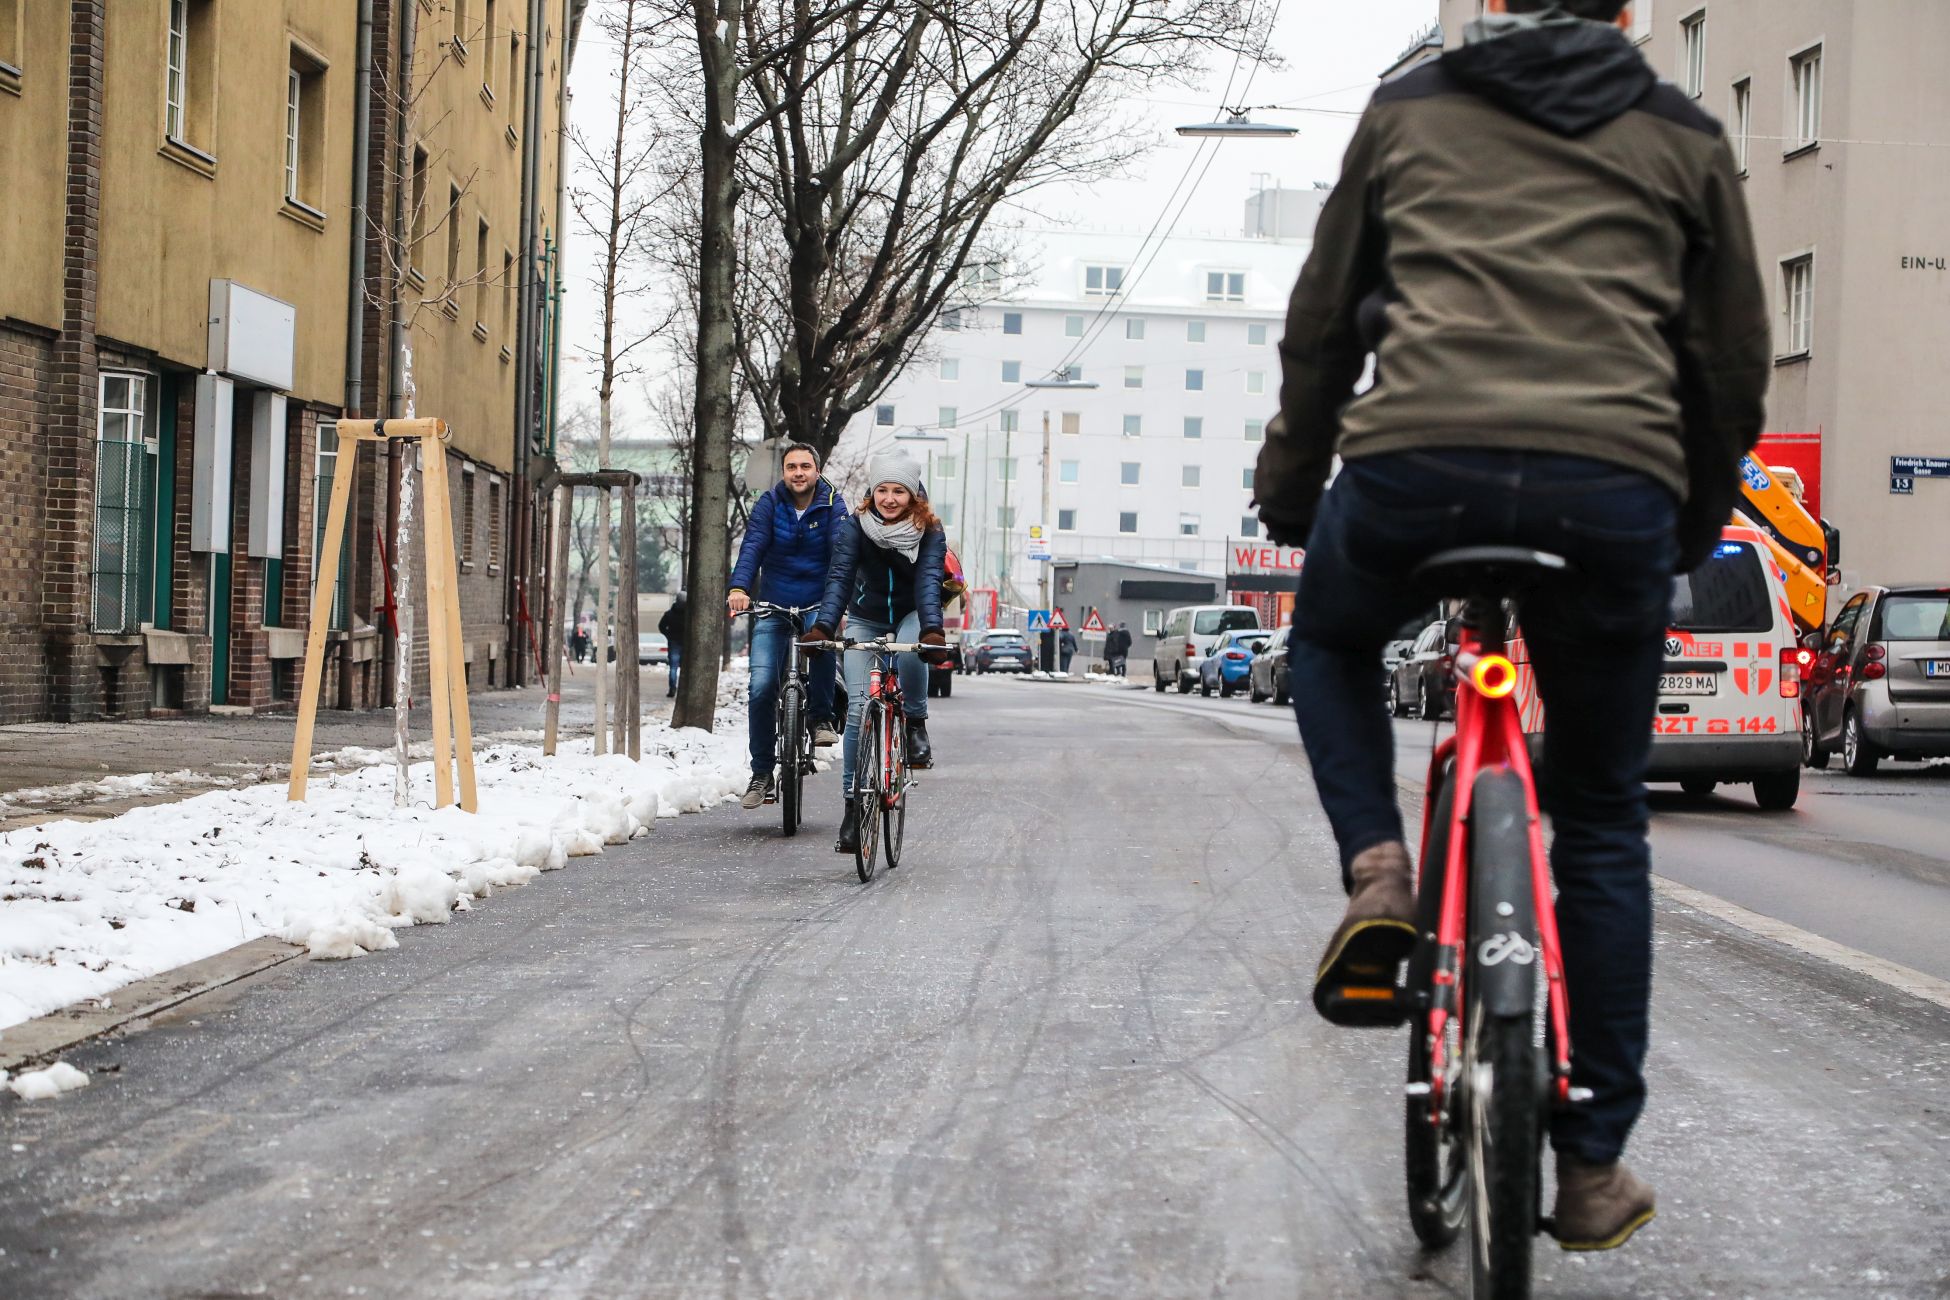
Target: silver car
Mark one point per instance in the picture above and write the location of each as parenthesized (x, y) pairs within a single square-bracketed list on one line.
[(1879, 686)]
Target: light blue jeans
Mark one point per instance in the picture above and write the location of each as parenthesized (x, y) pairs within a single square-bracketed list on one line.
[(913, 675)]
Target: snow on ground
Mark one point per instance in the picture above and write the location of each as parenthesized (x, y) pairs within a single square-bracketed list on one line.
[(39, 1085), (92, 906)]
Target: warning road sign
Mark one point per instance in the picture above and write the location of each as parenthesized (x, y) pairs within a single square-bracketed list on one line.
[(1057, 621), (1095, 622)]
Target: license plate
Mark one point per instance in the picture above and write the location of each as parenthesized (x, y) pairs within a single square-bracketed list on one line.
[(1689, 684), (1936, 667)]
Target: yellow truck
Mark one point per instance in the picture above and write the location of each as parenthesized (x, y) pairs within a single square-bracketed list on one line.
[(1803, 548)]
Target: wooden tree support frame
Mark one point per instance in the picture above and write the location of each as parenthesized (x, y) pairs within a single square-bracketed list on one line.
[(629, 703), (453, 729)]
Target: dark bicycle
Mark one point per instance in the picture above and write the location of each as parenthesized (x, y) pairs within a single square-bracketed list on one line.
[(794, 762), (881, 777)]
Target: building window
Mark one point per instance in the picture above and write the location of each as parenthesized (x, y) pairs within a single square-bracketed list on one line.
[(304, 133), (1011, 421), (1133, 426), (1246, 478), (461, 32), (466, 517), (481, 279), (1073, 327), (1194, 381), (1255, 382), (1225, 286), (1067, 471), (507, 298), (1798, 299), (494, 525), (1005, 469), (947, 420), (487, 56), (1012, 372), (1012, 322), (1195, 331), (1127, 521), (1071, 374), (419, 216), (1255, 430), (1133, 376), (514, 81), (325, 466), (1127, 472), (189, 67), (883, 416), (1642, 20), (946, 467), (1005, 516), (951, 319), (1134, 328), (1154, 619), (1194, 426), (1188, 525), (1806, 67), (1073, 422), (124, 468), (1743, 122), (1256, 336), (1102, 281), (951, 369), (1249, 525), (1066, 520), (1188, 476), (1692, 54), (453, 249)]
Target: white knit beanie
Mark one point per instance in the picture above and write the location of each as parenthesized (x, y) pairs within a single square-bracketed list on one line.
[(894, 466)]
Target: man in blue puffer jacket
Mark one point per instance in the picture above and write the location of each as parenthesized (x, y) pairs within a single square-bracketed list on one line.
[(788, 545)]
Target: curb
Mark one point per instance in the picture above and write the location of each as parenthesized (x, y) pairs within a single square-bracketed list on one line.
[(35, 1041)]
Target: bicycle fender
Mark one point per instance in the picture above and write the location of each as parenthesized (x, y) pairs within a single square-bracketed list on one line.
[(1503, 952)]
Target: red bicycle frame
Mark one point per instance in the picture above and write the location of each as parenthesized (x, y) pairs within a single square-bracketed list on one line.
[(1489, 736), (884, 694)]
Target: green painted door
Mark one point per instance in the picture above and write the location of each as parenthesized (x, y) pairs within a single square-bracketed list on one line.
[(219, 629)]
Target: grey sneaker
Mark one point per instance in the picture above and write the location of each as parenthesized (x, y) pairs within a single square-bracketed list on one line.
[(758, 791), (824, 735)]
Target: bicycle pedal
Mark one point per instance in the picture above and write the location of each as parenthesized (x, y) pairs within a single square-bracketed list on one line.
[(1367, 1006)]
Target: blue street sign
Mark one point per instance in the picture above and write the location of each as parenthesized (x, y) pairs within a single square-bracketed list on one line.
[(1903, 486), (1919, 467), (1039, 620)]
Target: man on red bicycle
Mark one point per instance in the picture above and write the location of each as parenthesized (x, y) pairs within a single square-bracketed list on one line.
[(1547, 252)]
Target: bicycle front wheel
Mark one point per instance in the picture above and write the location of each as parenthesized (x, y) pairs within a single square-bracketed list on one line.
[(893, 805), (867, 779), (1503, 1071), (792, 728)]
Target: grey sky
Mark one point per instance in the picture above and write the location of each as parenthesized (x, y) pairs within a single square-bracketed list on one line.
[(1334, 50)]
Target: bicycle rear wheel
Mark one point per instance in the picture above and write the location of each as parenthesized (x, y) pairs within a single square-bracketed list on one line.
[(866, 795), (1438, 1174), (893, 815), (791, 775), (1503, 1068)]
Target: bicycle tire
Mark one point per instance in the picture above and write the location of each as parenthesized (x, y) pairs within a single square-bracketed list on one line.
[(1503, 1068), (791, 775), (1435, 1163), (893, 814), (866, 795)]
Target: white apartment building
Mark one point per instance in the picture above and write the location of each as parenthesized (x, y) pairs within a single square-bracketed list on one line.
[(1154, 464), (1838, 112)]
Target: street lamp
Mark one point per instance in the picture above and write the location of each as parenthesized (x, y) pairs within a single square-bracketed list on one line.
[(1237, 124), (1061, 381)]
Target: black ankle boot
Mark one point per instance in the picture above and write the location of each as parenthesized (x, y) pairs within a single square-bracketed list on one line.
[(920, 753), (849, 830)]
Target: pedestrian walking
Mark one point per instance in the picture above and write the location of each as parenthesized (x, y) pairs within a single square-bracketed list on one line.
[(1066, 649), (1117, 649), (579, 641), (672, 626)]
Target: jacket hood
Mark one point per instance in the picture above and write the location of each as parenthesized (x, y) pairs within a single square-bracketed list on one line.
[(1566, 75)]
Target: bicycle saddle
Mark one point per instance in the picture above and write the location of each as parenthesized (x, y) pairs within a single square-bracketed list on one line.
[(1489, 568)]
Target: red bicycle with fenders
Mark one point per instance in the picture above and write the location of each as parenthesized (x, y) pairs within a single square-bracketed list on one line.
[(1483, 1077)]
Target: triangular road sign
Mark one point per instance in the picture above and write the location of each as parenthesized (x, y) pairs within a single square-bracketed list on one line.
[(1056, 619), (1095, 622), (1039, 620)]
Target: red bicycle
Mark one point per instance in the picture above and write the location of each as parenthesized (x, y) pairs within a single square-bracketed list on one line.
[(1482, 1079), (881, 777)]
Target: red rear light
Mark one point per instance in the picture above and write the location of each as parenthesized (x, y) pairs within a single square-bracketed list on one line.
[(1234, 654), (1794, 663), (1191, 651), (1873, 667)]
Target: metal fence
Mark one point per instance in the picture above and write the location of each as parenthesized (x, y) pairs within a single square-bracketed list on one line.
[(119, 581)]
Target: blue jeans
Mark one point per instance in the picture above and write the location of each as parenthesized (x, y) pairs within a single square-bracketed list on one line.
[(1596, 642), (676, 661), (770, 638), (913, 676)]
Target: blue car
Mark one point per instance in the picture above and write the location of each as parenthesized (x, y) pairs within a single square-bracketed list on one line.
[(1230, 662)]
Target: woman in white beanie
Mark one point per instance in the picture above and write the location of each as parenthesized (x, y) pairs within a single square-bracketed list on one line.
[(885, 576)]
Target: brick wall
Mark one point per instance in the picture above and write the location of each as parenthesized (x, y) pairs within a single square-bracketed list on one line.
[(24, 360)]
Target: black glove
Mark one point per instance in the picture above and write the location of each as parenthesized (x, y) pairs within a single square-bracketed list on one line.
[(815, 633)]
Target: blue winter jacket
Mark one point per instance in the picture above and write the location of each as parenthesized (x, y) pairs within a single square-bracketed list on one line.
[(791, 551), (870, 581)]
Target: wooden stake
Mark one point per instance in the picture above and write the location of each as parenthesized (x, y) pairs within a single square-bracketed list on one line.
[(557, 586), (438, 535), (629, 695), (456, 656), (324, 586)]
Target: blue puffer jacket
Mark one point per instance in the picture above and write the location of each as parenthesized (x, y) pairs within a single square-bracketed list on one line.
[(791, 551), (869, 581)]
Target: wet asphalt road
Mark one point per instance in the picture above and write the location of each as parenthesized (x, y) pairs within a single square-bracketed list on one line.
[(1064, 1050)]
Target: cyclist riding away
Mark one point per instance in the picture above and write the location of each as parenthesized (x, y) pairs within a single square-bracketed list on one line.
[(788, 545), (1547, 251), (885, 578)]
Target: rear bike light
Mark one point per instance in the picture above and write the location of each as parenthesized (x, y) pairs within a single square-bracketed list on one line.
[(1494, 677)]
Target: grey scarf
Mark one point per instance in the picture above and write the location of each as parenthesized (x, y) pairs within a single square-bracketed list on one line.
[(904, 536)]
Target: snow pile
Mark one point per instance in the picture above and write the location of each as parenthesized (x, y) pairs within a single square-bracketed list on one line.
[(40, 1085), (92, 906)]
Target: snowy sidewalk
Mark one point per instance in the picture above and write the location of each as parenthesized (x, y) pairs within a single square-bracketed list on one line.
[(90, 906)]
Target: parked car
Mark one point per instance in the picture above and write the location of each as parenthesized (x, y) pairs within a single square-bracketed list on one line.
[(1266, 679), (1003, 650), (652, 648), (1879, 681), (1186, 637), (1422, 684), (1225, 668)]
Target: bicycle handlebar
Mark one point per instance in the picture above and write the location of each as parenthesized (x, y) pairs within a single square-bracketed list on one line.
[(879, 645), (767, 607)]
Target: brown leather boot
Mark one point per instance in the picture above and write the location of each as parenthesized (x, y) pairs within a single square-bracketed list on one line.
[(1599, 1207), (1355, 985)]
